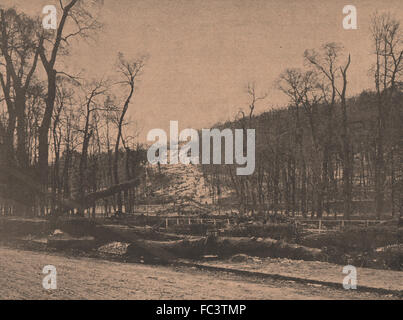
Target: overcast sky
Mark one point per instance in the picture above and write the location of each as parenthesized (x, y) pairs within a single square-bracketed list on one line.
[(204, 52)]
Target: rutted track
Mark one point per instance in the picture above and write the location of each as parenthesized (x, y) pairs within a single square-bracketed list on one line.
[(84, 278), (263, 275)]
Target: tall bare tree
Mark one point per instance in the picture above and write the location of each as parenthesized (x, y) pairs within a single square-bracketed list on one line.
[(327, 63), (77, 20), (388, 49), (129, 72)]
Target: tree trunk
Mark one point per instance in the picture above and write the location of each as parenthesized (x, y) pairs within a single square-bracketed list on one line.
[(43, 148)]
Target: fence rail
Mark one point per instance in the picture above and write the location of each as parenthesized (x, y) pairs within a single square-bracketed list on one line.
[(339, 223)]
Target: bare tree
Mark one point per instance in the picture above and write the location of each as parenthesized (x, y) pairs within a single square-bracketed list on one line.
[(327, 64), (254, 98), (19, 49), (304, 90), (129, 72), (388, 49), (90, 106), (76, 20)]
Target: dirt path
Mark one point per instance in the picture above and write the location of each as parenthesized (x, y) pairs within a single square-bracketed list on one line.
[(317, 270), (84, 278)]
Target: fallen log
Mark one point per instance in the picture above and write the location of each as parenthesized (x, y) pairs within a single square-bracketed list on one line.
[(228, 246), (166, 251), (111, 191), (86, 243), (67, 204), (134, 233), (223, 247)]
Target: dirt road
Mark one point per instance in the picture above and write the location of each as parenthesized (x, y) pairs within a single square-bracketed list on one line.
[(83, 278)]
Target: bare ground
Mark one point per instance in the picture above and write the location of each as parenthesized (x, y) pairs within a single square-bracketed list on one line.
[(318, 271), (84, 278)]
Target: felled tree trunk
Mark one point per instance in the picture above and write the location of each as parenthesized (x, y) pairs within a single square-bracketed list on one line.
[(133, 233), (262, 248), (111, 191), (167, 251), (224, 247)]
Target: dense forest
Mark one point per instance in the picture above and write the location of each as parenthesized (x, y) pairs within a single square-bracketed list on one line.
[(286, 179), (65, 142), (63, 137), (326, 152)]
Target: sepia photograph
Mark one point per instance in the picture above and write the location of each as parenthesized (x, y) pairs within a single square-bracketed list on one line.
[(219, 151)]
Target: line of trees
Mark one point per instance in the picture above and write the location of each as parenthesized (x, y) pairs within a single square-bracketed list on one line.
[(64, 142), (326, 152), (63, 137)]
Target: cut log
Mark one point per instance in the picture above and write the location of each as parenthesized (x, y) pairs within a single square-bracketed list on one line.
[(224, 247), (61, 240), (134, 233), (228, 246), (167, 251), (84, 244)]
